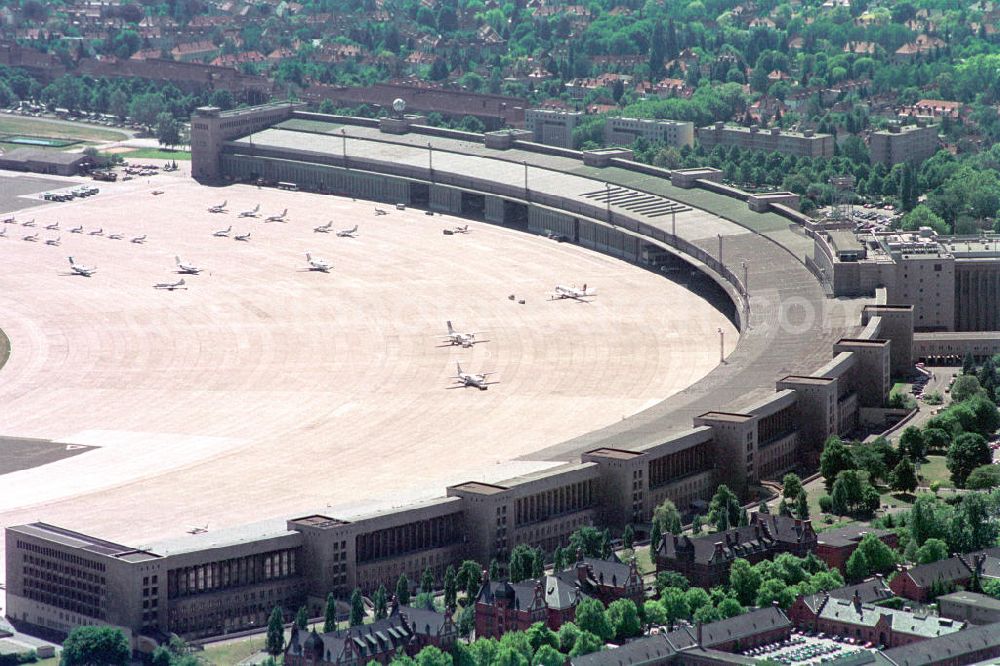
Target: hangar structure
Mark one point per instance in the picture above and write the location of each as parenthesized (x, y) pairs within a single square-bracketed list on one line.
[(806, 367)]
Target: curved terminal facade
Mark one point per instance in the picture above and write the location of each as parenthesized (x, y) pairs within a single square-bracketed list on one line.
[(806, 367)]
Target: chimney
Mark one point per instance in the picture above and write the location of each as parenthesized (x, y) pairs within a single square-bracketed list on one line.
[(718, 549), (856, 600), (697, 629)]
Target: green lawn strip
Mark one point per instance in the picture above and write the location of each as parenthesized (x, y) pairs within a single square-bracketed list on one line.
[(157, 154), (57, 129)]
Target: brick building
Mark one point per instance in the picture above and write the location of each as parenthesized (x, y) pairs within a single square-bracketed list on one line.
[(920, 582), (835, 546), (705, 560), (405, 632), (866, 622)]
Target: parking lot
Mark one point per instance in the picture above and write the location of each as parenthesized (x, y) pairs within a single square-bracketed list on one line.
[(803, 648)]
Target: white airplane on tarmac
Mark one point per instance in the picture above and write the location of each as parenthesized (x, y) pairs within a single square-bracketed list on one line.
[(97, 232), (116, 236), (77, 230), (170, 286), (242, 237), (52, 227), (277, 218), (223, 233), (221, 208), (348, 233), (31, 238), (573, 292), (9, 220), (454, 337), (29, 223), (85, 271), (381, 211), (54, 242), (187, 269), (461, 230), (324, 228), (466, 379), (252, 212), (318, 264), (139, 240)]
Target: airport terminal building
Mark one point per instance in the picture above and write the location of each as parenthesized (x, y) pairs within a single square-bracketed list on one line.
[(802, 371)]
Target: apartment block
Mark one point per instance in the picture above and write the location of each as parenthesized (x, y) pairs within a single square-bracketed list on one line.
[(775, 140)]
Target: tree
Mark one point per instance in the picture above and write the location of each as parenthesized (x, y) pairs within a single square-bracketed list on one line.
[(567, 634), (433, 656), (667, 517), (880, 557), (965, 387), (904, 477), (145, 108), (857, 567), (675, 605), (628, 537), (357, 608), (330, 615), (929, 519), (791, 485), (933, 550), (586, 539), (654, 613), (623, 616), (539, 634), (783, 509), (724, 509), (836, 457), (381, 603), (469, 577), (450, 587), (427, 581), (984, 477), (966, 453), (95, 646), (522, 563), (912, 445), (302, 617), (968, 364), (773, 589), (802, 504), (275, 632), (403, 590), (655, 536), (162, 656), (973, 527), (665, 579), (590, 618), (586, 643), (548, 656), (729, 607), (696, 597), (744, 580)]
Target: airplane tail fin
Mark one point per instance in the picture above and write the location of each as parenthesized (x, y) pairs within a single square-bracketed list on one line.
[(284, 212), (71, 262), (308, 257), (458, 365), (450, 329), (177, 260)]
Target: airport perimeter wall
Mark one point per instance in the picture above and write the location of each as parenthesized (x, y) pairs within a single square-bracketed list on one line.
[(610, 486)]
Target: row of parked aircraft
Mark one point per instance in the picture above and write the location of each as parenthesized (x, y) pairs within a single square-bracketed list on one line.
[(253, 212)]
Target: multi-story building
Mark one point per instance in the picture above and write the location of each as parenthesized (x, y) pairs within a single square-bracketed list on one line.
[(553, 127), (904, 143), (868, 623), (835, 546), (705, 560), (775, 140), (921, 582), (625, 131)]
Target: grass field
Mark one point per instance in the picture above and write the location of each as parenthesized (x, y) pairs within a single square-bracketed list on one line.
[(935, 469), (157, 154), (57, 129), (231, 652), (4, 348)]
